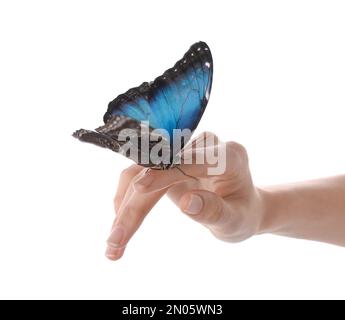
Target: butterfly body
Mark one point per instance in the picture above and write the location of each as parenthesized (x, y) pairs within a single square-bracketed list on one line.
[(152, 113)]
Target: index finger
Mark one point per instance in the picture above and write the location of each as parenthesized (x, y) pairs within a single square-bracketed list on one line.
[(134, 208)]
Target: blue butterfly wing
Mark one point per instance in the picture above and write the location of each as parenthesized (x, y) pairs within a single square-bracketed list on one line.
[(175, 100)]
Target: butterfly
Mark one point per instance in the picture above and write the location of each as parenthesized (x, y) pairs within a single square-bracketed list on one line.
[(151, 123)]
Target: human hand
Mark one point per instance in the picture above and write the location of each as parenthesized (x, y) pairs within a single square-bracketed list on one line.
[(229, 205)]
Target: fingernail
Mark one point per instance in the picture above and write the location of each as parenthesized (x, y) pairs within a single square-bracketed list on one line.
[(194, 205), (116, 237), (113, 254), (144, 181)]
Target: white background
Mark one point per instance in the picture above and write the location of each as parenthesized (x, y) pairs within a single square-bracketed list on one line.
[(279, 89)]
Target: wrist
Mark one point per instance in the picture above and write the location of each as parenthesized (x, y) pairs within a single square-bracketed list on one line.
[(268, 210)]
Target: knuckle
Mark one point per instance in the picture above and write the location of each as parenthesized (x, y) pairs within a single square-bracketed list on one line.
[(209, 134), (208, 137), (129, 172), (221, 236), (132, 207), (236, 149), (226, 237), (124, 174)]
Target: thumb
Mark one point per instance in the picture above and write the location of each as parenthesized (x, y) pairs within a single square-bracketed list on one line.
[(204, 206)]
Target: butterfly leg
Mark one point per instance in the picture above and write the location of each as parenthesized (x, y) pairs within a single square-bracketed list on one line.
[(151, 168), (187, 175), (172, 167)]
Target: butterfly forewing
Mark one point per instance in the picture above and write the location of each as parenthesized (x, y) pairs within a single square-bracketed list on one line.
[(175, 100)]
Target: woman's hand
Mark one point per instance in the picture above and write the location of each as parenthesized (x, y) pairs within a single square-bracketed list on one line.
[(227, 204)]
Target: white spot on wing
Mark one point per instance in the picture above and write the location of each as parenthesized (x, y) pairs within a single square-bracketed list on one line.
[(207, 95)]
